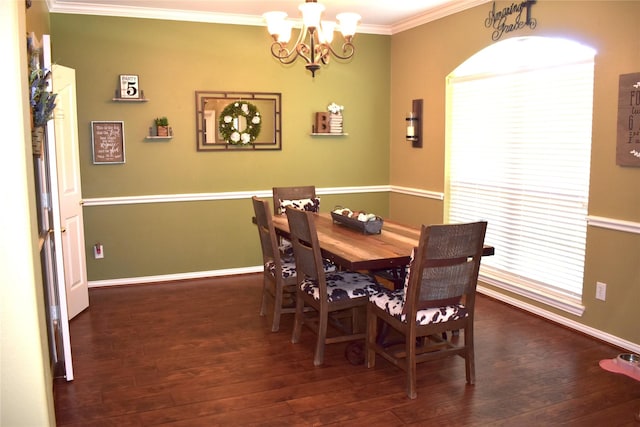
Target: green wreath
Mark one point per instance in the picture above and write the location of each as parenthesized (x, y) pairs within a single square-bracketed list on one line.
[(229, 118)]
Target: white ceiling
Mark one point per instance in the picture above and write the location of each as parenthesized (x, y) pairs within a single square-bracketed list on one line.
[(378, 16)]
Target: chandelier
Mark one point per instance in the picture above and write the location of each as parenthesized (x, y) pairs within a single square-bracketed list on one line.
[(317, 49)]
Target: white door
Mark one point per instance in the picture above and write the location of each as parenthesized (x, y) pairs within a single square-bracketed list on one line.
[(69, 190), (54, 264)]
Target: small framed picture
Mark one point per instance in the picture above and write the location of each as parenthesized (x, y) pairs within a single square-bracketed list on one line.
[(129, 86), (107, 142)]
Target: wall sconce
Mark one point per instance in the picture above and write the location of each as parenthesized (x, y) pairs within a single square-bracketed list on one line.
[(414, 124)]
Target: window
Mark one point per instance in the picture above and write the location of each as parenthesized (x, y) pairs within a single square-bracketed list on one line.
[(518, 156)]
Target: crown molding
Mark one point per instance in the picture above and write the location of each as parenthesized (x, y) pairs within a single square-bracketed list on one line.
[(80, 8), (438, 12)]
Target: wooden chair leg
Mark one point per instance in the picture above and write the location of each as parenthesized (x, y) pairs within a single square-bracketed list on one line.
[(355, 320), (323, 320), (372, 335), (470, 364), (263, 304), (297, 323), (277, 309), (410, 345)]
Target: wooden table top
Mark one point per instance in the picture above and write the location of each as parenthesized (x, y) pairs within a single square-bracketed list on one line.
[(354, 250)]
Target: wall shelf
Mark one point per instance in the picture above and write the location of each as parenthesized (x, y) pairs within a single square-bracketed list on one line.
[(129, 99), (328, 134), (158, 138)]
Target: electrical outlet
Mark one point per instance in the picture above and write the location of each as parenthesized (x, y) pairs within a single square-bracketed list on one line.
[(601, 291), (98, 251)]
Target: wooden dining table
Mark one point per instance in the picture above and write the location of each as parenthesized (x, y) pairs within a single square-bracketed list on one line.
[(353, 250)]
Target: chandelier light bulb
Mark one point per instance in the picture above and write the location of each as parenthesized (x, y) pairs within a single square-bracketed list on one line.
[(326, 31), (285, 32), (348, 23), (311, 13), (275, 20)]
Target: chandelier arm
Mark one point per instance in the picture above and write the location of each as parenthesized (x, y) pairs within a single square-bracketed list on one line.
[(305, 52), (313, 46), (347, 51), (302, 49), (283, 54), (323, 53)]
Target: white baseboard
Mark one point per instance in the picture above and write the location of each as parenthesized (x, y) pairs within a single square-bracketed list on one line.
[(173, 277), (587, 330)]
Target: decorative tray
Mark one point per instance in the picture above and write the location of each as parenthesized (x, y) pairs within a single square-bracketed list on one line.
[(373, 226)]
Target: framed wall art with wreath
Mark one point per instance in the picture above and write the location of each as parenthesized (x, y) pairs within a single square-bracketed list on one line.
[(232, 121)]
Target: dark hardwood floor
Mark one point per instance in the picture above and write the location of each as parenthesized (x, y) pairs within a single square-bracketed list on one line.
[(198, 354)]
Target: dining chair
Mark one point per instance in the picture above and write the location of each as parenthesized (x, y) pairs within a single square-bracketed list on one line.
[(337, 299), (438, 296), (279, 270), (303, 198)]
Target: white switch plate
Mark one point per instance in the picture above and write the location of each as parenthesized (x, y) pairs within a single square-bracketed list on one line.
[(98, 251), (601, 291)]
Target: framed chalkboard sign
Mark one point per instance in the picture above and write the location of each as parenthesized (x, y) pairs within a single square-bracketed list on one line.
[(107, 142)]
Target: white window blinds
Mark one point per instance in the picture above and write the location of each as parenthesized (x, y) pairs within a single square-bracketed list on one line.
[(519, 157)]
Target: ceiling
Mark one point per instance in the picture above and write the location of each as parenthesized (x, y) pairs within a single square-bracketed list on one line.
[(378, 16)]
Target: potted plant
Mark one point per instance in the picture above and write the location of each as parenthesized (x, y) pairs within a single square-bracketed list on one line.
[(162, 126), (41, 100)]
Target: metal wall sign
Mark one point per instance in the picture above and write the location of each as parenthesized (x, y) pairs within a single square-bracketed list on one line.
[(628, 142), (511, 18)]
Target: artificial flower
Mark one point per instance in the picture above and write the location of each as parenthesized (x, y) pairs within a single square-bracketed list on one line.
[(335, 108)]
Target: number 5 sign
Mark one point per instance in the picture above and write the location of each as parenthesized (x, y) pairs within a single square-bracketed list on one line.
[(129, 86)]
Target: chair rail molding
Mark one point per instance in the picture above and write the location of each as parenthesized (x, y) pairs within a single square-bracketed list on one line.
[(437, 195), (613, 224), (233, 195)]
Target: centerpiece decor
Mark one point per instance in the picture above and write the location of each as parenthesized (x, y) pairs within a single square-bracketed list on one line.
[(335, 118), (367, 223), (240, 123)]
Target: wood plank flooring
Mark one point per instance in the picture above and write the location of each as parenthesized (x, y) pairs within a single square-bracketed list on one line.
[(197, 353)]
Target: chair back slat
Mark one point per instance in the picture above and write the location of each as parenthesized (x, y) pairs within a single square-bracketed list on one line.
[(446, 266)]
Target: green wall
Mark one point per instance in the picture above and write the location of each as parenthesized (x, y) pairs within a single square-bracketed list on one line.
[(173, 60), (436, 49), (173, 238)]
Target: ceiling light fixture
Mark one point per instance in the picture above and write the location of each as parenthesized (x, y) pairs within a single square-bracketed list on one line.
[(318, 49)]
